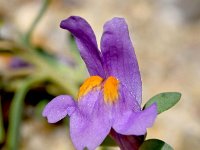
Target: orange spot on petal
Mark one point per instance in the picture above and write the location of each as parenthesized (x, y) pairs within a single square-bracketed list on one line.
[(89, 84), (111, 89)]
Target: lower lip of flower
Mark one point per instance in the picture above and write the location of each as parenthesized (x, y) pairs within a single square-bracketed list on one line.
[(109, 86)]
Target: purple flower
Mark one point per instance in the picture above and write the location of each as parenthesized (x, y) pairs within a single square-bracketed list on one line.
[(17, 63), (111, 96)]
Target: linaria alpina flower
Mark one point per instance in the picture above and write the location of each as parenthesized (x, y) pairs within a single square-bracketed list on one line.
[(111, 96)]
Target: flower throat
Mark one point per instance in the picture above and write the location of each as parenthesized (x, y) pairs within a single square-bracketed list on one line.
[(110, 87)]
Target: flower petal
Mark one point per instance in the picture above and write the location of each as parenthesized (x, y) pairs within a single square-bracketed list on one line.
[(119, 56), (58, 108), (126, 102), (135, 123), (86, 42), (90, 124)]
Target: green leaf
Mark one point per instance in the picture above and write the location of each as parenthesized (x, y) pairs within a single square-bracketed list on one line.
[(155, 144), (164, 101)]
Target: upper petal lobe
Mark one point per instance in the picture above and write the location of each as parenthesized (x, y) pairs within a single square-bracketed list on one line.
[(86, 42), (119, 57)]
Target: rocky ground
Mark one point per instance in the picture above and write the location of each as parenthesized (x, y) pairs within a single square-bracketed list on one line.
[(167, 43)]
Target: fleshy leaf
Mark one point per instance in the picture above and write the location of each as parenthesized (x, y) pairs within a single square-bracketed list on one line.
[(155, 144), (164, 101)]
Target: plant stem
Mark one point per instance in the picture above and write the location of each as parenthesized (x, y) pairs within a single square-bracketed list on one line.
[(2, 132), (43, 9), (16, 109)]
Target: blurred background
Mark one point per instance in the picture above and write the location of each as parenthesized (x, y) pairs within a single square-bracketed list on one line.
[(39, 61)]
